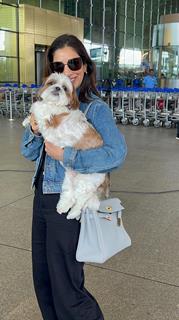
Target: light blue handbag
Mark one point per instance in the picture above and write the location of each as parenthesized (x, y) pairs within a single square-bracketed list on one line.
[(102, 234)]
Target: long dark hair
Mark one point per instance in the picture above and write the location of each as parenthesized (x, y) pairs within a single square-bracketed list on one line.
[(88, 84)]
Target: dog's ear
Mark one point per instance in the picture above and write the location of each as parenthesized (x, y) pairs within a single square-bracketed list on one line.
[(37, 97), (38, 94), (40, 91), (74, 103)]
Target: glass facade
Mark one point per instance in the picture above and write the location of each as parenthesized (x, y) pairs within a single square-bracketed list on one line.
[(166, 50), (9, 61), (117, 33)]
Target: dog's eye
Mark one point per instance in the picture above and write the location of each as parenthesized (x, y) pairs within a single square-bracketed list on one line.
[(64, 88)]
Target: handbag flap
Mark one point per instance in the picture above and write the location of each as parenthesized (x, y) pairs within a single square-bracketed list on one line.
[(110, 206)]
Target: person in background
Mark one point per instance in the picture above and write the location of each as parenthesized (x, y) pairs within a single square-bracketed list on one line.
[(107, 86), (150, 80), (58, 277), (136, 82)]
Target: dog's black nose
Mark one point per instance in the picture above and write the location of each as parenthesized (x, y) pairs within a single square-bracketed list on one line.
[(57, 88)]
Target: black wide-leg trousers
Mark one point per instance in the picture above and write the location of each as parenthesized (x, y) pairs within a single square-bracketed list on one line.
[(58, 277)]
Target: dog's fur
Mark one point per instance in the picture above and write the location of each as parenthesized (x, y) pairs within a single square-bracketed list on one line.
[(61, 122)]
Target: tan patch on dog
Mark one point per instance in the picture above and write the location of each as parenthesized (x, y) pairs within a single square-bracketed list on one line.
[(43, 88), (91, 139), (56, 120), (104, 188)]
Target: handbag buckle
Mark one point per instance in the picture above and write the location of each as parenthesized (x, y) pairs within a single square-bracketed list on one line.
[(108, 208)]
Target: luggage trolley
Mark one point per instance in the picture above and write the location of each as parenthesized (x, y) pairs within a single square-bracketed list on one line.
[(2, 102), (165, 113), (115, 104), (146, 107), (8, 101), (174, 117), (136, 106), (125, 104), (156, 106)]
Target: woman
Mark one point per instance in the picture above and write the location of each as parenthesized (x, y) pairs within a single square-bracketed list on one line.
[(58, 277)]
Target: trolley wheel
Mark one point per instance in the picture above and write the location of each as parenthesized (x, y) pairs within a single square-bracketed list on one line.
[(146, 122), (157, 123), (168, 124), (124, 121), (135, 122)]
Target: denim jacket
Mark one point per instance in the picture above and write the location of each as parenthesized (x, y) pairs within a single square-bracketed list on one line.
[(110, 156)]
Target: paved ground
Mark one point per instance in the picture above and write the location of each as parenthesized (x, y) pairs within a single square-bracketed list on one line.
[(142, 282)]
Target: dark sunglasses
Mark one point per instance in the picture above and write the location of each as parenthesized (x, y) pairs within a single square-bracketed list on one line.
[(73, 64)]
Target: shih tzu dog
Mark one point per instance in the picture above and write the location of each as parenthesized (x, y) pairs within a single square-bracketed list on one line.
[(62, 123)]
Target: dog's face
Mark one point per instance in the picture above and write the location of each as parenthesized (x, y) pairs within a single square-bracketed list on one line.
[(58, 89)]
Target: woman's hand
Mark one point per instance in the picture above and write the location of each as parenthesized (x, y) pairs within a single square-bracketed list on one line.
[(34, 125), (54, 151)]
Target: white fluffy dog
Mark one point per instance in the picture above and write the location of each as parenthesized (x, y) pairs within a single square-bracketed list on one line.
[(61, 122)]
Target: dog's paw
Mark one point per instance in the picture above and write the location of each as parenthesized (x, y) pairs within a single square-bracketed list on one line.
[(59, 209), (70, 217), (74, 214), (64, 205)]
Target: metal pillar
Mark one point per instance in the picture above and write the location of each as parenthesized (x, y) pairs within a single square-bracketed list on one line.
[(134, 36), (91, 19), (143, 20), (114, 38), (103, 36), (76, 8), (150, 33), (125, 30)]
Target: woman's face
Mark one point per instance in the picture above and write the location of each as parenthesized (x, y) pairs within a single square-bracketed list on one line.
[(65, 54)]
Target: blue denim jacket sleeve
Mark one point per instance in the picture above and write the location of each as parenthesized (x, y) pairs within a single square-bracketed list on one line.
[(113, 152), (31, 144)]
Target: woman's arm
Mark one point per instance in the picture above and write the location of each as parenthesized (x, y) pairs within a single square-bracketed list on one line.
[(31, 144), (113, 152)]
